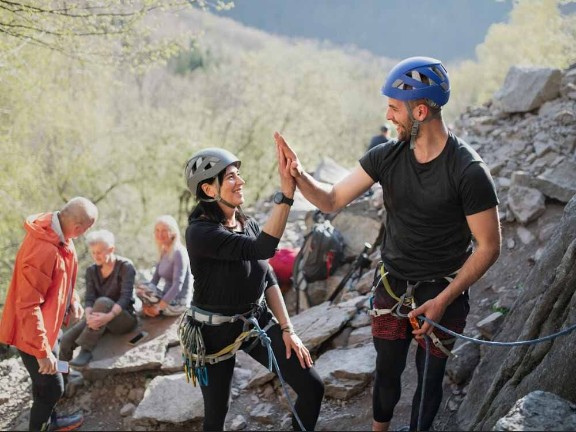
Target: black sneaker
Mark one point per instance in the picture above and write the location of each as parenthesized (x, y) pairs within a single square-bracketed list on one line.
[(66, 423), (81, 359)]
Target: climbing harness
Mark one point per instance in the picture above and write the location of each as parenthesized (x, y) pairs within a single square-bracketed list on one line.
[(194, 350), (193, 347), (407, 300)]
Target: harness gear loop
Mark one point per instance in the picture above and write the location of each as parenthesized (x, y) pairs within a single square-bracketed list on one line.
[(192, 343), (251, 328)]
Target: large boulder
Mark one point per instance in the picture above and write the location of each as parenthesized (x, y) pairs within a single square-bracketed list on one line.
[(539, 411), (527, 88)]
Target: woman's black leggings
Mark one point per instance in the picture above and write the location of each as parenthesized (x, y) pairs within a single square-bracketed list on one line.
[(305, 382), (390, 363)]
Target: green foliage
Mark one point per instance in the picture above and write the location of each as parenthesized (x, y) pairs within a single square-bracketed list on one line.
[(188, 61), (114, 116), (503, 310), (538, 34)]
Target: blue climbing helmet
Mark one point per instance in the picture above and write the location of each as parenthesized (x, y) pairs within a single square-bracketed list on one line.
[(405, 81)]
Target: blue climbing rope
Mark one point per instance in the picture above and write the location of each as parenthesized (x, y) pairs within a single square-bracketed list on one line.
[(423, 319), (267, 343), (493, 343)]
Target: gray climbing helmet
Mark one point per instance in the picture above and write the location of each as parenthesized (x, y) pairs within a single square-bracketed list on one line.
[(207, 164)]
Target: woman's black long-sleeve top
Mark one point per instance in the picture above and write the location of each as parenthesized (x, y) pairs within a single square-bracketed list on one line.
[(230, 269)]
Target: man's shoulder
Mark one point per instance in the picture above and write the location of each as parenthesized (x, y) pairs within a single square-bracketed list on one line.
[(463, 150)]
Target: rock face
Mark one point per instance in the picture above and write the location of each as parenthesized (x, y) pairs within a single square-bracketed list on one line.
[(546, 306)]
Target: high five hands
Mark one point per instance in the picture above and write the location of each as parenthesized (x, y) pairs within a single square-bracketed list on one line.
[(288, 156)]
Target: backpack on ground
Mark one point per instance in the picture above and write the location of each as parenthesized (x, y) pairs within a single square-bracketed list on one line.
[(320, 255), (322, 251)]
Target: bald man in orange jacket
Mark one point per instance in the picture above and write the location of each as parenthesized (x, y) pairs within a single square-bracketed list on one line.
[(40, 299)]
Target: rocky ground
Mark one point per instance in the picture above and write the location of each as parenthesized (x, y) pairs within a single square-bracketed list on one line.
[(102, 401)]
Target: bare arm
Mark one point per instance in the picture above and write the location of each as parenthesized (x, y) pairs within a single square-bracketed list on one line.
[(291, 340), (276, 304), (485, 228), (328, 201)]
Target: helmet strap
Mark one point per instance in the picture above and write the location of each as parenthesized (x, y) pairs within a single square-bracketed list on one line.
[(217, 197), (223, 201), (416, 123)]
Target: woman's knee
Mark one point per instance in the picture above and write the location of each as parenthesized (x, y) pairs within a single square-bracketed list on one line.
[(317, 387)]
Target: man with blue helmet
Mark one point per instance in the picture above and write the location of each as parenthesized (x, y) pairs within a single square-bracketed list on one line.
[(439, 196)]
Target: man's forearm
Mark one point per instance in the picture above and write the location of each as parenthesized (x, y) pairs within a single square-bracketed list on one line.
[(314, 193), (473, 269)]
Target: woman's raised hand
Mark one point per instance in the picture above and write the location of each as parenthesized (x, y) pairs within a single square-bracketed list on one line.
[(289, 155)]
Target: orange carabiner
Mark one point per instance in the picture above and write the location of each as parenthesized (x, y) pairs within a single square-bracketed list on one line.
[(414, 323)]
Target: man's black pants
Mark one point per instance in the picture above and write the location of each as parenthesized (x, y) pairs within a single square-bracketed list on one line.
[(46, 390)]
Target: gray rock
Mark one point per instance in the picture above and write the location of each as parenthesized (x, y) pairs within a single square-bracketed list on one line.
[(357, 229), (317, 324), (360, 336), (559, 182), (524, 234), (254, 374), (346, 371), (127, 409), (171, 399), (490, 325), (329, 171), (461, 367), (362, 319), (527, 88), (568, 84), (539, 411), (341, 339), (263, 413), (146, 356), (172, 360), (527, 204), (238, 423)]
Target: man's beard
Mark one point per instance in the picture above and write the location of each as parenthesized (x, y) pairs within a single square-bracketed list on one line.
[(404, 130)]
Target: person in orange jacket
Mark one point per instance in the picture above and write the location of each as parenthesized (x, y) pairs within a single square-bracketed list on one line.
[(40, 299)]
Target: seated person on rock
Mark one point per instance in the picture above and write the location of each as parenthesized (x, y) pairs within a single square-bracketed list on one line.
[(109, 300), (173, 268)]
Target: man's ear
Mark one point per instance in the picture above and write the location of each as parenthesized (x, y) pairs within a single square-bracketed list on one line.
[(421, 112)]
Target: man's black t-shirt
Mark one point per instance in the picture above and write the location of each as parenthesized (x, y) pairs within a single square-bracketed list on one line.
[(427, 235), (230, 269)]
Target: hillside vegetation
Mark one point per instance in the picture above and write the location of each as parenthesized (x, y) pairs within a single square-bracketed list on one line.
[(114, 115)]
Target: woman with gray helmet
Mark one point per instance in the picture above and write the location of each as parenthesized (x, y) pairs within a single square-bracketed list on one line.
[(233, 284)]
